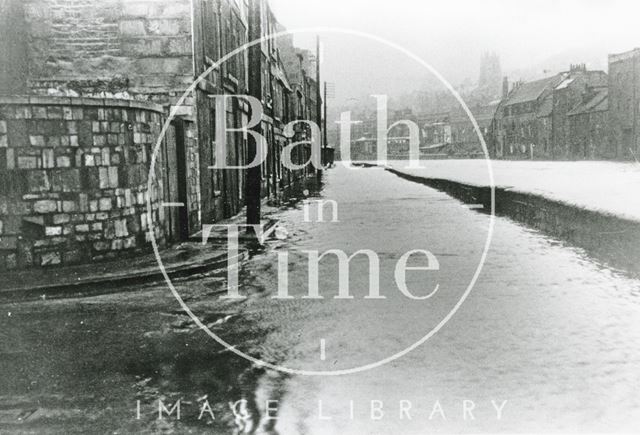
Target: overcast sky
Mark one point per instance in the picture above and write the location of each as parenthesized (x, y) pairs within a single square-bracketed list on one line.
[(530, 36)]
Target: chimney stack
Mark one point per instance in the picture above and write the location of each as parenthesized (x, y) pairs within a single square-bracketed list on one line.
[(505, 87)]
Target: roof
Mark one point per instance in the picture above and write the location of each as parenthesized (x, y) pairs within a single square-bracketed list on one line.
[(598, 102), (427, 119), (546, 108), (565, 83), (531, 91), (483, 114)]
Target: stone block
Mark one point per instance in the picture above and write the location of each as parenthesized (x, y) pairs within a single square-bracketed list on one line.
[(63, 162), (23, 112), (105, 153), (10, 160), (85, 134), (113, 177), (8, 243), (18, 133), (55, 112), (27, 162), (140, 9), (89, 179), (83, 202), (65, 180), (37, 141), (50, 259), (132, 28), (105, 204), (82, 228), (60, 219), (99, 140), (117, 245), (69, 206), (51, 128), (52, 231), (121, 229), (3, 127), (89, 160), (4, 143), (48, 160), (39, 112), (38, 181), (45, 206), (115, 159), (166, 27), (104, 178), (53, 141)]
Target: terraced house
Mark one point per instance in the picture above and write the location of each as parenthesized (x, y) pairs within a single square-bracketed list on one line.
[(533, 119), (85, 89)]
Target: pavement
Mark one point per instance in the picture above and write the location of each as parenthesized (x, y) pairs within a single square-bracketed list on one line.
[(608, 188), (132, 270), (117, 275)]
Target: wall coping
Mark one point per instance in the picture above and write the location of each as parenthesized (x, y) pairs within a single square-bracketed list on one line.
[(79, 101)]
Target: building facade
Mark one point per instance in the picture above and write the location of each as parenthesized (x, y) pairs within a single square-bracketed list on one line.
[(624, 82), (86, 94), (589, 126), (533, 119)]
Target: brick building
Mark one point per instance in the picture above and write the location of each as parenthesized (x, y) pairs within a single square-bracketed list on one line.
[(88, 85)]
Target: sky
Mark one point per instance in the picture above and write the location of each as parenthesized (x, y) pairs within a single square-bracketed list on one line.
[(532, 38)]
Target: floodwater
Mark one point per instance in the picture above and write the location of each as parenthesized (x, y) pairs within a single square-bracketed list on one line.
[(546, 339)]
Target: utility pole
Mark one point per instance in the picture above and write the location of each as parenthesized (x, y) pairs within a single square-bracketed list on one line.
[(253, 184), (318, 96), (324, 128)]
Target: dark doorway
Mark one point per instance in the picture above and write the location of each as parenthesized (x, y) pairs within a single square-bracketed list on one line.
[(176, 182)]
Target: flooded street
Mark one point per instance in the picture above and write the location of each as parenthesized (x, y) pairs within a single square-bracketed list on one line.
[(547, 339)]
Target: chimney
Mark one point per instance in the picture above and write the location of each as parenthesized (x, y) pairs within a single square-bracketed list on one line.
[(505, 87)]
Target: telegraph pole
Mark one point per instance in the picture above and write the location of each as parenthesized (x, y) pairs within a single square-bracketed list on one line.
[(253, 185), (325, 144), (318, 96)]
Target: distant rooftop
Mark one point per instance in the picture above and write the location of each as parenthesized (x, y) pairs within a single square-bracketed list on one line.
[(531, 91), (597, 102)]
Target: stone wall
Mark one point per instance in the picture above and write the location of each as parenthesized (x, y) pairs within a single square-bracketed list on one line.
[(73, 179), (140, 47)]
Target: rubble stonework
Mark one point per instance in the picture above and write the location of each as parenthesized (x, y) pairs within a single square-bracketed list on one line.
[(74, 179)]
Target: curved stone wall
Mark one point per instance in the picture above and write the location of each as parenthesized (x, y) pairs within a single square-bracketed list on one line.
[(73, 179)]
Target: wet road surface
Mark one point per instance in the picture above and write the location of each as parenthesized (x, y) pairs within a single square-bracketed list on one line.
[(545, 329)]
